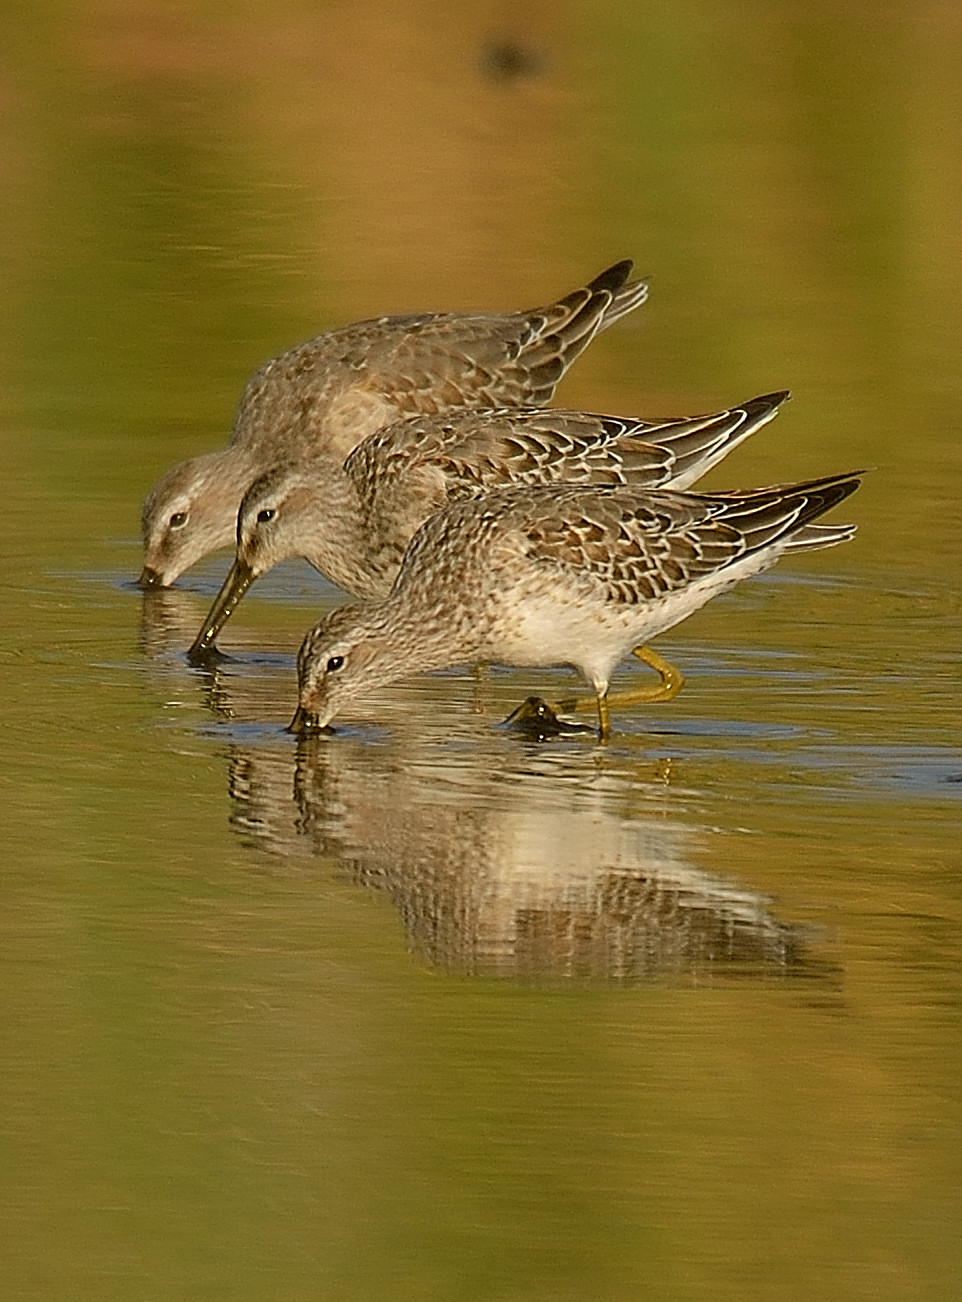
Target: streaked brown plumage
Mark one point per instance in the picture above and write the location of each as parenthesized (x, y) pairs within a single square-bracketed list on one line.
[(352, 521), (557, 574), (333, 391)]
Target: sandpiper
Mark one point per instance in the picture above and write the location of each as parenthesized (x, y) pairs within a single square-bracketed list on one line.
[(558, 575), (352, 520), (336, 389)]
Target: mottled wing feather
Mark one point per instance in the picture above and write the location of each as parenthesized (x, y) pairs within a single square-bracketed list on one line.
[(637, 548), (478, 451), (547, 447), (395, 451), (365, 375), (630, 551), (700, 442), (444, 362), (399, 482)]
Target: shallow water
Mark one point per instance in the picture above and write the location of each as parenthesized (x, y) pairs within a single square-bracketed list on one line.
[(424, 1010)]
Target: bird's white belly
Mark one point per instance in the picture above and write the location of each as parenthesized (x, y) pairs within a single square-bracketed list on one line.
[(570, 627), (591, 639)]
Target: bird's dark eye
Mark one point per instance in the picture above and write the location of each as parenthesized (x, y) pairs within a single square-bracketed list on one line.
[(178, 520), (263, 517), (334, 664)]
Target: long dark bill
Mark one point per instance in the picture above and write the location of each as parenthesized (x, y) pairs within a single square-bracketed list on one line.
[(239, 579)]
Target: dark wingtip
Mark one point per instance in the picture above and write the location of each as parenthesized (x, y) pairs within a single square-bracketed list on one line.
[(766, 401), (820, 495), (845, 483), (612, 277), (838, 487)]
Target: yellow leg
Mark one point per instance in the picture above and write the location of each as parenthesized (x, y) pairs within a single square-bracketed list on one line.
[(672, 679), (671, 684), (604, 719)]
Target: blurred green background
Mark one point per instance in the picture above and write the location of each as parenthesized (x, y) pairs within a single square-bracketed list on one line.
[(231, 1071)]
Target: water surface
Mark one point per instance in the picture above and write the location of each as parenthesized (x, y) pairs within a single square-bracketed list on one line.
[(423, 1010)]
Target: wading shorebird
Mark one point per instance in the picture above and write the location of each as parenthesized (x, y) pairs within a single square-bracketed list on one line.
[(559, 575), (352, 520), (333, 391)]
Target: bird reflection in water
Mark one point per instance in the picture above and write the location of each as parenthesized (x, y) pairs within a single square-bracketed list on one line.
[(253, 682), (541, 864), (165, 615), (532, 873)]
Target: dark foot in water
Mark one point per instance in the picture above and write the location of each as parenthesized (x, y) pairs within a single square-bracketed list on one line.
[(535, 719)]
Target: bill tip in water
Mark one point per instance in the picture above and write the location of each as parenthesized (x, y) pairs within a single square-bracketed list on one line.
[(305, 724), (150, 578), (202, 655)]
